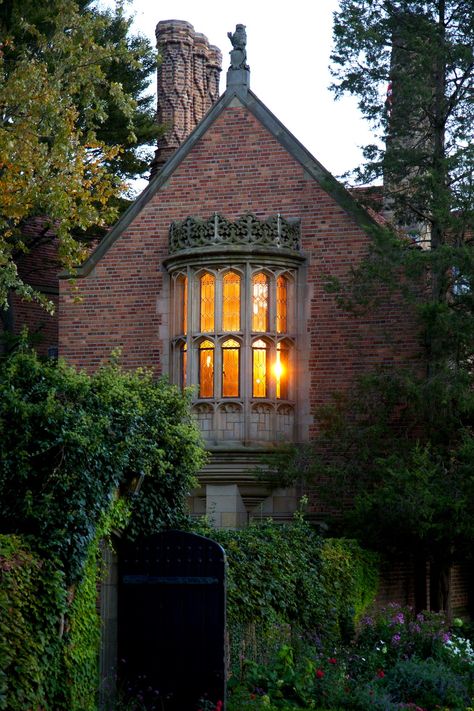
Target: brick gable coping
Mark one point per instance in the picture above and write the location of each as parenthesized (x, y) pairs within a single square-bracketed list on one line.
[(239, 95)]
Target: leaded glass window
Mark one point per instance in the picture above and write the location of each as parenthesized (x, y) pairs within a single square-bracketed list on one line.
[(281, 304), (281, 371), (184, 310), (230, 368), (260, 302), (231, 302), (208, 285), (184, 363), (206, 369), (259, 368)]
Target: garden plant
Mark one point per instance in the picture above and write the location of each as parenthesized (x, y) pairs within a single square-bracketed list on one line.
[(396, 660)]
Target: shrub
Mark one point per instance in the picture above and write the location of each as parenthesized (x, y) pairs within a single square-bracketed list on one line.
[(396, 632), (77, 438), (428, 683), (350, 580), (287, 584)]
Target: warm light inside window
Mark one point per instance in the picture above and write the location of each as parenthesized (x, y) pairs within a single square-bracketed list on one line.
[(184, 364), (280, 371), (185, 305), (206, 369), (281, 304), (259, 368), (231, 302), (230, 368), (260, 302), (207, 303)]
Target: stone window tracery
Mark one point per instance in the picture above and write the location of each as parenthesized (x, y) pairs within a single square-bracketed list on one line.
[(281, 304), (233, 326), (230, 368), (206, 369), (231, 301), (260, 302), (259, 368), (207, 303)]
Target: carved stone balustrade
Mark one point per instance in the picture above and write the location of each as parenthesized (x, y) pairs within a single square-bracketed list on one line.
[(273, 233)]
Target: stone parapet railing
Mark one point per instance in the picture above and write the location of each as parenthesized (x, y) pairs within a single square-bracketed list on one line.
[(274, 232)]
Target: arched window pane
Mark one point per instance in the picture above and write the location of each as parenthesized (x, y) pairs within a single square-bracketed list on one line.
[(185, 305), (260, 302), (184, 364), (281, 372), (206, 369), (230, 368), (259, 369), (231, 302), (207, 303), (282, 304)]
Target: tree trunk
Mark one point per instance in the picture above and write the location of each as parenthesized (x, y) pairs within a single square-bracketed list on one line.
[(440, 585), (420, 582), (6, 327)]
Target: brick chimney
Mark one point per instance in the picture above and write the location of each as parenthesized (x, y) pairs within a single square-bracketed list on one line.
[(188, 84)]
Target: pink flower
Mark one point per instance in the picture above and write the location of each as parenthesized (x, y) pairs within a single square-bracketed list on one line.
[(319, 673), (332, 660), (380, 673), (219, 706)]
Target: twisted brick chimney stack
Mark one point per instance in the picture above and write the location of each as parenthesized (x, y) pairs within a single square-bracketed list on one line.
[(188, 83)]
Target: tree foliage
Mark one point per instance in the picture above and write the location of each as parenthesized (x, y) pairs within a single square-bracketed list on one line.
[(69, 441), (422, 52), (401, 441), (71, 117)]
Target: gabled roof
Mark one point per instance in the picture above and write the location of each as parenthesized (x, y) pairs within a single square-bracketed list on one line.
[(234, 94)]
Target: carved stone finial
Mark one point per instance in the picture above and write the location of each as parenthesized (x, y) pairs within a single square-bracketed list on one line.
[(238, 53)]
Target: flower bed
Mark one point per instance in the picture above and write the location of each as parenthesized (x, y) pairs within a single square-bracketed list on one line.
[(398, 660)]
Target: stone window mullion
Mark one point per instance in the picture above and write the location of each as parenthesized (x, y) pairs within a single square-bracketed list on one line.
[(246, 354)]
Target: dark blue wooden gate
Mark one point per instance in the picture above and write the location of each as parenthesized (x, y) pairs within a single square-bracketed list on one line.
[(171, 621)]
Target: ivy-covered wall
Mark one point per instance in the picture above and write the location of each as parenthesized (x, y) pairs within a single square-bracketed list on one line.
[(286, 580), (79, 444), (32, 609), (49, 632)]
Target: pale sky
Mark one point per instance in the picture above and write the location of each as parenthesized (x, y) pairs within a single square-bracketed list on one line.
[(288, 48)]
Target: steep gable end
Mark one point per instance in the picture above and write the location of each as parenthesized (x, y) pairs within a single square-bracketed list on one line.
[(235, 97)]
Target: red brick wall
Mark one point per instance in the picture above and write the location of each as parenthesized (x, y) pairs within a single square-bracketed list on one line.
[(237, 167), (397, 585)]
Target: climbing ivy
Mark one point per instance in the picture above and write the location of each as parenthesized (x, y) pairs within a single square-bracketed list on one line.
[(78, 439), (32, 608), (79, 444), (350, 581), (82, 640), (289, 575)]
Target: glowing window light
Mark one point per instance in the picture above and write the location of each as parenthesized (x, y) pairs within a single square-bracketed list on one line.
[(280, 372), (206, 369), (230, 368), (207, 303), (231, 302), (185, 305), (259, 368), (282, 304), (184, 364), (260, 302)]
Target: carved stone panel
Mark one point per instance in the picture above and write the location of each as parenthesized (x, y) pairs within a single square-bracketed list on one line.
[(230, 422)]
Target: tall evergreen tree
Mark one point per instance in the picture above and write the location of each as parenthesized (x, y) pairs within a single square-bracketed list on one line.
[(403, 440)]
